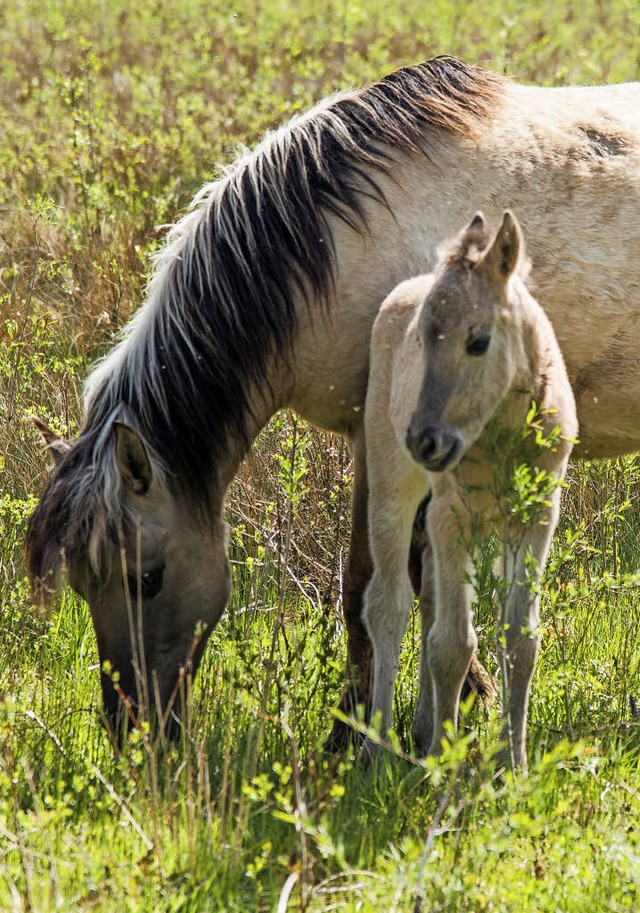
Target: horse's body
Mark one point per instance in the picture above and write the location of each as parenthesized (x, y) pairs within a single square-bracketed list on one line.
[(458, 358), (264, 298)]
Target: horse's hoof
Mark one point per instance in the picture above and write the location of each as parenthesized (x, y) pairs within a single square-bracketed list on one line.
[(342, 738), (478, 681), (421, 742), (370, 755)]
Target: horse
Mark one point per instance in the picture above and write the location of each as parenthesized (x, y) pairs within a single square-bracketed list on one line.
[(264, 296), (462, 360)]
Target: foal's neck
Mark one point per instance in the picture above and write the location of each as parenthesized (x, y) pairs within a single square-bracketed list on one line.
[(534, 344)]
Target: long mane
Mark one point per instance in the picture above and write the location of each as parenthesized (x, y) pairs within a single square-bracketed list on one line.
[(223, 298)]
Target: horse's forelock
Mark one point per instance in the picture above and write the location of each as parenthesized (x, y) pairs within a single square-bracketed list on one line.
[(81, 512)]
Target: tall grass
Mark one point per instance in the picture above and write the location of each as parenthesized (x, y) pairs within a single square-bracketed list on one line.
[(113, 115)]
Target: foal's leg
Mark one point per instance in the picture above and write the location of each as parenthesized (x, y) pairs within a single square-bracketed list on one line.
[(388, 600), (389, 594), (451, 640), (525, 556), (477, 681), (355, 578)]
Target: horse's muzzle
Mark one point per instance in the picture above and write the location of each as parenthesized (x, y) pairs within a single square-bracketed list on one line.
[(120, 718), (437, 449)]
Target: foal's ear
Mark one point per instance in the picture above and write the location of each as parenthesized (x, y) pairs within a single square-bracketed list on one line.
[(57, 446), (476, 224), (473, 239), (502, 257), (132, 459)]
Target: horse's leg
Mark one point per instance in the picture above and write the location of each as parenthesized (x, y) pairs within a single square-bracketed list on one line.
[(451, 640), (525, 556), (420, 551), (423, 722), (355, 578)]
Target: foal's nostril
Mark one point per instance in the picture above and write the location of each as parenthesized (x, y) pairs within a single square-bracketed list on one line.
[(436, 448), (428, 445), (422, 445)]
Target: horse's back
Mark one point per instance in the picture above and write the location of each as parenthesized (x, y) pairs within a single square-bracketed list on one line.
[(567, 162), (559, 106)]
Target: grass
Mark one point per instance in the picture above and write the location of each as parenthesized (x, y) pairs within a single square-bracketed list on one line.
[(113, 115)]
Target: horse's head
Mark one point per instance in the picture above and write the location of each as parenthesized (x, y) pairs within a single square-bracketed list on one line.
[(466, 327), (151, 567)]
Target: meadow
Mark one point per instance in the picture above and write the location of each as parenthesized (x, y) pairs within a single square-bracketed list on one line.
[(112, 115)]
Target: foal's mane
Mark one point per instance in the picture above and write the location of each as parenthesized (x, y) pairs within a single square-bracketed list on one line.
[(222, 302)]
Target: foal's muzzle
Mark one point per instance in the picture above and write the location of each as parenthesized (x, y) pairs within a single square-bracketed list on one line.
[(437, 449)]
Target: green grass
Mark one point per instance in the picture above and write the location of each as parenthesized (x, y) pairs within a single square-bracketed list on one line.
[(112, 116)]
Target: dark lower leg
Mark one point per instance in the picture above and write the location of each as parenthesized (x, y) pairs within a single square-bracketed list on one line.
[(357, 690)]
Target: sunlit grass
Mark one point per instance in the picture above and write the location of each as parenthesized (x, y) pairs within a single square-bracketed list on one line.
[(113, 115)]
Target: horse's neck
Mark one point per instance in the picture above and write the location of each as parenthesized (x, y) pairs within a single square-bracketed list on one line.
[(265, 402)]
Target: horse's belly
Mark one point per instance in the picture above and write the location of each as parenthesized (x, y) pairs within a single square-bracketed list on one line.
[(608, 404), (331, 385)]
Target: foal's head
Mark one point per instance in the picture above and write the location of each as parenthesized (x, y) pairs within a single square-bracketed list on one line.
[(470, 333)]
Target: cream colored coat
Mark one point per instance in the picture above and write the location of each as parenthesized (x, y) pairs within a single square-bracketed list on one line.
[(457, 360)]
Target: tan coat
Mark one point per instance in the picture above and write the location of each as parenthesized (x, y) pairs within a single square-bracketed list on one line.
[(461, 361)]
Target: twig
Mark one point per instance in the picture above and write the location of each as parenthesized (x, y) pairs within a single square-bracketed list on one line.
[(285, 893)]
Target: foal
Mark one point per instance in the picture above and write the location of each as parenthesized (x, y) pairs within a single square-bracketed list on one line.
[(461, 361)]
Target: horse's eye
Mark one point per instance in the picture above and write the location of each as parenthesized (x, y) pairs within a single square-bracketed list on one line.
[(478, 345), (150, 583)]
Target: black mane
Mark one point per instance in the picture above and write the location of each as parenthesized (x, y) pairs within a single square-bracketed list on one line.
[(223, 299)]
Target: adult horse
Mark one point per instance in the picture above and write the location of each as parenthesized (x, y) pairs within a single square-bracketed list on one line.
[(264, 297)]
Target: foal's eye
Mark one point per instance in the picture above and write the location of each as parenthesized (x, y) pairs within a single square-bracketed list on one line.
[(478, 345), (150, 583)]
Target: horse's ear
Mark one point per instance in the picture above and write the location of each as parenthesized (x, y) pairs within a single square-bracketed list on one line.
[(502, 257), (132, 459), (57, 446)]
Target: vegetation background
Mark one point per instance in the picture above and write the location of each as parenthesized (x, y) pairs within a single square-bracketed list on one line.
[(112, 115)]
